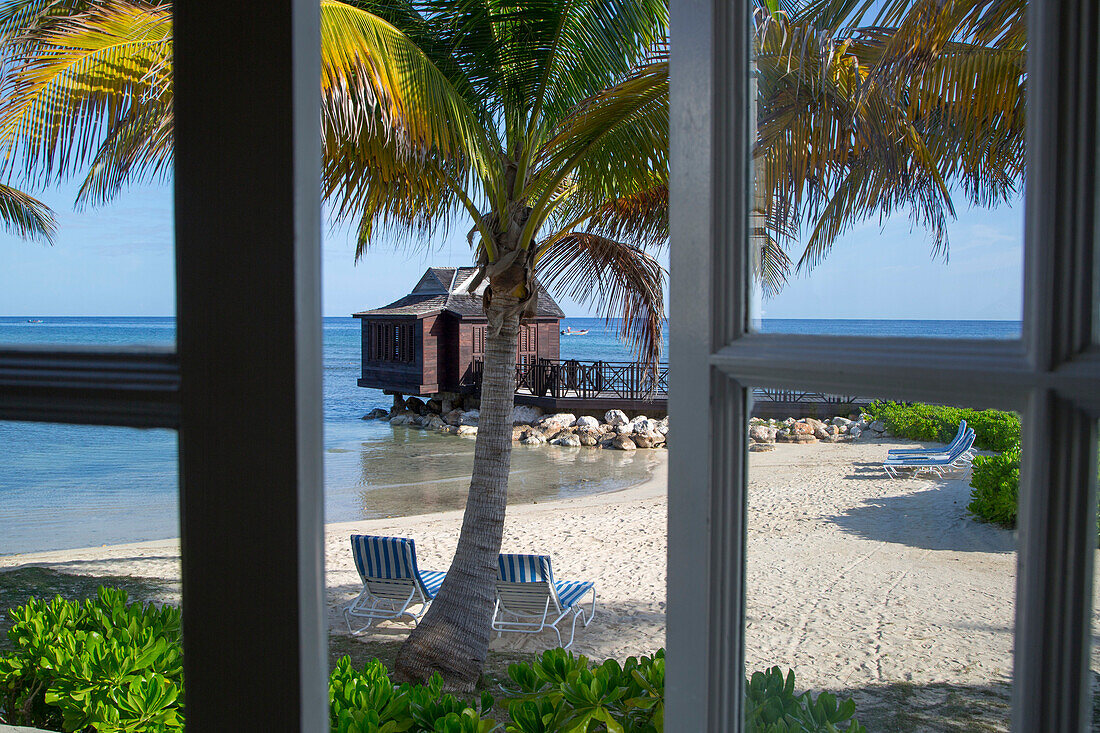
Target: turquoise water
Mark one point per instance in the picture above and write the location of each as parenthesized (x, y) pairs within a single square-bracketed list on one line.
[(64, 486), (67, 486)]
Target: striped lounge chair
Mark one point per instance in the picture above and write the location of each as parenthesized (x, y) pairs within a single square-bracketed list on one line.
[(529, 599), (959, 458), (392, 583)]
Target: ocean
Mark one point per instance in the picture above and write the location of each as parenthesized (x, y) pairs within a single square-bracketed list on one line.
[(67, 486)]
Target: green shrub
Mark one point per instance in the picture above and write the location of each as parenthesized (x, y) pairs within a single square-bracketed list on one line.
[(101, 665), (366, 701), (772, 707), (996, 487), (107, 666), (560, 692), (993, 430)]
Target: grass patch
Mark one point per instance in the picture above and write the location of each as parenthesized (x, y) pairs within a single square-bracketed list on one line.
[(905, 707), (16, 586)]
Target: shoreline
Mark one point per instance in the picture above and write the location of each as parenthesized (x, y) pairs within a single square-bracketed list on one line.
[(650, 487)]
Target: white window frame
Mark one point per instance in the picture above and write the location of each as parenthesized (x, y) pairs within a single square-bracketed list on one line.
[(244, 388), (1052, 375)]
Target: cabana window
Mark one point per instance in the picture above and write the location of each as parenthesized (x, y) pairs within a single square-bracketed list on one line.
[(393, 342)]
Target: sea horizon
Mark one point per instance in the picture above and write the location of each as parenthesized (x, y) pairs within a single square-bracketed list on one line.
[(67, 486)]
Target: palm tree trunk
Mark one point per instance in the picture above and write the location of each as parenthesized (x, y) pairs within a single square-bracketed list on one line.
[(453, 637)]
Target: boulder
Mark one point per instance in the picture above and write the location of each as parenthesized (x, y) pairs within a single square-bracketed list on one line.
[(518, 432), (533, 434), (587, 421), (878, 426), (449, 429), (622, 442), (589, 440), (801, 428), (821, 432), (644, 425), (434, 406), (376, 413), (802, 438), (435, 422), (761, 447), (525, 414), (558, 419), (568, 440), (762, 434), (854, 432), (647, 440), (415, 404), (467, 430), (454, 417), (469, 418), (420, 421), (841, 421), (624, 429), (614, 418), (402, 418)]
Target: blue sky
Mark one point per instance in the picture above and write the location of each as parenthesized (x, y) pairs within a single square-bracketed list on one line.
[(118, 260)]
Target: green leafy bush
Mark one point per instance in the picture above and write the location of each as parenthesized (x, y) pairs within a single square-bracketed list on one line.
[(109, 666), (102, 665), (996, 487), (366, 701), (772, 707), (993, 430), (561, 692)]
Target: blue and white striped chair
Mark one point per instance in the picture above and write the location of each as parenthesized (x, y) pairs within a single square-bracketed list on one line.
[(529, 599), (392, 583), (940, 464)]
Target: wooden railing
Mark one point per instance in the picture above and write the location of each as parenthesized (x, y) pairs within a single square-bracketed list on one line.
[(624, 380)]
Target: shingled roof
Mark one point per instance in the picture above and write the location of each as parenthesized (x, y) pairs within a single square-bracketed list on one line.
[(446, 289)]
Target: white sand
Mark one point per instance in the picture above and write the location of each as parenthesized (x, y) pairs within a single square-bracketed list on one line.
[(854, 579)]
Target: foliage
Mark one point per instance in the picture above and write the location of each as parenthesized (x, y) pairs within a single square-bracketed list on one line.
[(772, 707), (993, 429), (560, 692), (366, 701), (102, 665), (106, 665), (996, 482)]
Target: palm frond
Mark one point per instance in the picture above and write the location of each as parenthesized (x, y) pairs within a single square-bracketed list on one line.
[(619, 278), (612, 146), (26, 216), (87, 74)]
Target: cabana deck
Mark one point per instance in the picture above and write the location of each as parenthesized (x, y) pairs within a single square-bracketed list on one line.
[(569, 385)]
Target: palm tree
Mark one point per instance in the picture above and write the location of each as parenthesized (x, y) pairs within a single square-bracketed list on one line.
[(543, 124), (870, 108)]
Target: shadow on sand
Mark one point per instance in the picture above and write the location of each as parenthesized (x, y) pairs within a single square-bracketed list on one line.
[(934, 518)]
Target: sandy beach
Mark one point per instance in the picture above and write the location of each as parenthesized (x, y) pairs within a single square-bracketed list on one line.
[(858, 582)]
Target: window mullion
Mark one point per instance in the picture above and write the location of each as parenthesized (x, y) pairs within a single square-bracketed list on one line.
[(1057, 544), (247, 209)]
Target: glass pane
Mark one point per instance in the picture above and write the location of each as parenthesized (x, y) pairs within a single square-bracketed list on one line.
[(887, 176), (888, 583), (87, 512), (89, 257)]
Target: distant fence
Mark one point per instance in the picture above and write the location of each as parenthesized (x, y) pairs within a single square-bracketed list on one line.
[(569, 378), (626, 380)]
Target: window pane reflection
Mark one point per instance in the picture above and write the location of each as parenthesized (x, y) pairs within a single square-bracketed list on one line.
[(874, 582)]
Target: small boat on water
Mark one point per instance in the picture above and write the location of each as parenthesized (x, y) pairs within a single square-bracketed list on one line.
[(34, 320), (571, 332)]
